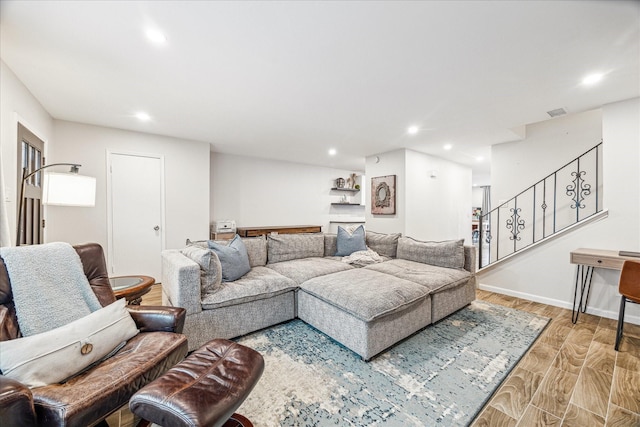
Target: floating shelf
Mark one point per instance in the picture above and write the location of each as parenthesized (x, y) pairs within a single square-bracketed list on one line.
[(346, 204), (352, 190)]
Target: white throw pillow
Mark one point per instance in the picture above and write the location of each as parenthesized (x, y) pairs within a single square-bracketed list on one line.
[(55, 355)]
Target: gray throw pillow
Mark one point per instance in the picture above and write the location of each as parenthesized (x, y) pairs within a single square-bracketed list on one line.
[(233, 258), (349, 243)]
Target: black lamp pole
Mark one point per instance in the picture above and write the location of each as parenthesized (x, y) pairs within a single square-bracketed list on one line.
[(25, 176)]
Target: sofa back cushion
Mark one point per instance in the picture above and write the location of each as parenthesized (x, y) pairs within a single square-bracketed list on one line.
[(449, 254), (330, 244), (257, 250), (383, 244), (285, 247)]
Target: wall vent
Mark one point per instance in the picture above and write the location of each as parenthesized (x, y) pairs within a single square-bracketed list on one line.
[(557, 112)]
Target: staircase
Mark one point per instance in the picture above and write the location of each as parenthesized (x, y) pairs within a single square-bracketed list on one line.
[(560, 201)]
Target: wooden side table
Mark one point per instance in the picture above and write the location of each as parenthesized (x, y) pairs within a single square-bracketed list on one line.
[(131, 288)]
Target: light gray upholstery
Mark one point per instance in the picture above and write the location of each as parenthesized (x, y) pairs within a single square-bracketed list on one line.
[(384, 244), (366, 309), (365, 294), (285, 247), (448, 254), (301, 270)]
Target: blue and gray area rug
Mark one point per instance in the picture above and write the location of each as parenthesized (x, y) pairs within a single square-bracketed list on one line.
[(441, 376)]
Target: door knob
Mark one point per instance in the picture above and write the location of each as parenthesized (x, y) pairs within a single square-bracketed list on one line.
[(157, 227)]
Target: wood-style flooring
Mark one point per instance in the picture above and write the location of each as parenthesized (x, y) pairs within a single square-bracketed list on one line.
[(571, 376)]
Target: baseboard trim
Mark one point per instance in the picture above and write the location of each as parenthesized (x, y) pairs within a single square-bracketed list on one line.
[(559, 303)]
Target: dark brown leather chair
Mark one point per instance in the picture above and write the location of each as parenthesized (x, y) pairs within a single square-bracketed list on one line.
[(87, 399)]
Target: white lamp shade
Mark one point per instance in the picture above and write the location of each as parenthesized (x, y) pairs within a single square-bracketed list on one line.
[(68, 189)]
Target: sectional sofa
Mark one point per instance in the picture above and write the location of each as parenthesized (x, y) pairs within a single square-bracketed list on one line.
[(366, 308)]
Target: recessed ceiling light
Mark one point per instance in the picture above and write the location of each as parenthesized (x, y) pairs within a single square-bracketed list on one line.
[(447, 146), (143, 116), (412, 130), (479, 159), (592, 79), (332, 151), (156, 36)]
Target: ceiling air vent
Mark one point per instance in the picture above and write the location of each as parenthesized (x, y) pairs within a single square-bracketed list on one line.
[(557, 112)]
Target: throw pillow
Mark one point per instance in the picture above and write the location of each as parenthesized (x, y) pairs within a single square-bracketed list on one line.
[(348, 243), (449, 253), (210, 268), (233, 258), (55, 355)]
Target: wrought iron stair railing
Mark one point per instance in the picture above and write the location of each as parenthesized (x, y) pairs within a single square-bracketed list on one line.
[(571, 194)]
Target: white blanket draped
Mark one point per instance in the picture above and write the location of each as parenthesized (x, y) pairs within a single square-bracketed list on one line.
[(49, 286)]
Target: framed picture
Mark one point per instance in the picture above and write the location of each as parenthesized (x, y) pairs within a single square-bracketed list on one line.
[(383, 195)]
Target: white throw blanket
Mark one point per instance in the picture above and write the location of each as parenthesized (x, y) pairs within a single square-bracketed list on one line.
[(49, 286), (362, 258)]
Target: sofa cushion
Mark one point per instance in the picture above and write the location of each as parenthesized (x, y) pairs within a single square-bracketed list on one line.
[(365, 294), (233, 258), (304, 269), (430, 276), (350, 241), (330, 244), (384, 244), (210, 268), (259, 283), (449, 253), (285, 247), (55, 355)]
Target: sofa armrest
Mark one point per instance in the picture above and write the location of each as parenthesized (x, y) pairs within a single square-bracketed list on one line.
[(16, 404), (158, 318), (470, 259), (181, 281)]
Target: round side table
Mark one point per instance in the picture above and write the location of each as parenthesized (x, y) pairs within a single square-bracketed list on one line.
[(131, 288)]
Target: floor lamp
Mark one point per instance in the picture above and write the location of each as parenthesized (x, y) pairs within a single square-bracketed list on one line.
[(61, 189)]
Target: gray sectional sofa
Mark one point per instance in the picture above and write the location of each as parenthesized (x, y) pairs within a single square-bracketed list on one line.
[(367, 308)]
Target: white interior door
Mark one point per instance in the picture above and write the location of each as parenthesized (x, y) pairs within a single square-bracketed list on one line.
[(136, 231)]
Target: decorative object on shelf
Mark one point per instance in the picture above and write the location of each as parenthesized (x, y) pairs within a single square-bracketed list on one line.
[(344, 199), (351, 181), (340, 183), (383, 195), (476, 213), (357, 187)]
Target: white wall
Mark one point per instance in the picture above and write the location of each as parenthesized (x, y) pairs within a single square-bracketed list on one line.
[(544, 273), (16, 104), (476, 197), (259, 192), (186, 166), (547, 146), (427, 208)]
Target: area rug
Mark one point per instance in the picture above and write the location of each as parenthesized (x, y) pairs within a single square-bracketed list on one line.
[(442, 375)]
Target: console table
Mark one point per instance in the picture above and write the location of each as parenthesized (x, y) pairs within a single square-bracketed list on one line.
[(290, 229), (592, 258)]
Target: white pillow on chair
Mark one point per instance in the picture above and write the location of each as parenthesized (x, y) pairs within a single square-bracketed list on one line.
[(60, 353)]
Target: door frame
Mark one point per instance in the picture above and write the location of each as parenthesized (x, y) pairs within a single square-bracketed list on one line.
[(110, 249)]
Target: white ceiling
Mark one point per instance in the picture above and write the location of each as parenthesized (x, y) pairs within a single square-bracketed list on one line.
[(289, 80)]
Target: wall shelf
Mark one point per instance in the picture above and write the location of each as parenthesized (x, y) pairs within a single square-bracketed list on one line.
[(346, 204), (352, 190)]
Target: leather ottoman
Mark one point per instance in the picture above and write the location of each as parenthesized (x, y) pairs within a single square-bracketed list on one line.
[(204, 389)]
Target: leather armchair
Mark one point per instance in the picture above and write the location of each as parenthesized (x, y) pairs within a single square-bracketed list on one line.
[(87, 399)]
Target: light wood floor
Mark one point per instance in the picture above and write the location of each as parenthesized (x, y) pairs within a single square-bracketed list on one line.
[(571, 376)]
